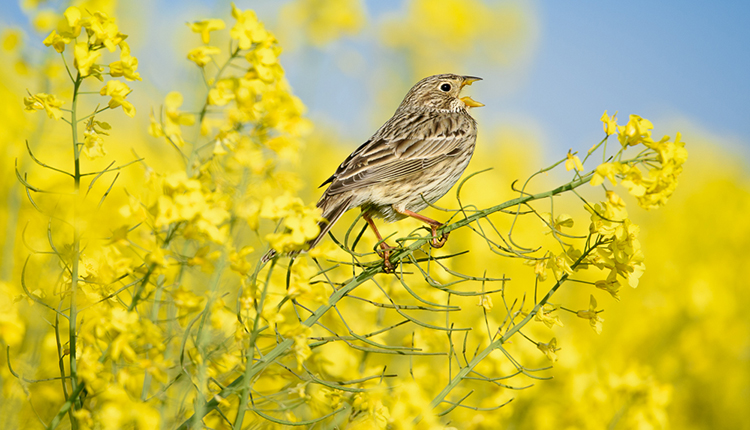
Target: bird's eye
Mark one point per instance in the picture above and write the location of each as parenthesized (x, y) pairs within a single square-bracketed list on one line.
[(445, 87)]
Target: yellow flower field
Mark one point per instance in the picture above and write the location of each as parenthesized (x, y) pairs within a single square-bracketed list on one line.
[(603, 289)]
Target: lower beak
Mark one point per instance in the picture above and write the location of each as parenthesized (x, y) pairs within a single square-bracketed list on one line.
[(468, 101)]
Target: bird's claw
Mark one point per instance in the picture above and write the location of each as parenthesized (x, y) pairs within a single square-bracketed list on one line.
[(385, 254), (434, 242)]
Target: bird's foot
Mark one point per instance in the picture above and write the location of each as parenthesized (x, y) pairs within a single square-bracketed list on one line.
[(385, 254), (435, 242)]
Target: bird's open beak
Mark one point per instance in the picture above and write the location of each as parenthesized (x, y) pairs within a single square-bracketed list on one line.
[(468, 101), (468, 80)]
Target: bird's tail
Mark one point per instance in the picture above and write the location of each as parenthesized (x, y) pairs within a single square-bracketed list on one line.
[(333, 207)]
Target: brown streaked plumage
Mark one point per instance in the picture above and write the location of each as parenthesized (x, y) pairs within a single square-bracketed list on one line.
[(409, 163)]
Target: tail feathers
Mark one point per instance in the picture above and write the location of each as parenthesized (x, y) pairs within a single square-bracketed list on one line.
[(332, 211)]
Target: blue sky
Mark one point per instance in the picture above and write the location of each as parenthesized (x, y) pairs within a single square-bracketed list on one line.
[(674, 62), (664, 60)]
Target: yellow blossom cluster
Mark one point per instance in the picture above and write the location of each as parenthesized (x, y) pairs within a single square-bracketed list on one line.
[(185, 200), (47, 102), (653, 189), (174, 119), (123, 335), (300, 222), (622, 254), (101, 32)]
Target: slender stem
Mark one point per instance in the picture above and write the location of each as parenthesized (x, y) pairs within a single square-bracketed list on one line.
[(204, 109), (242, 407), (279, 350), (254, 369), (440, 398), (76, 254), (65, 408)]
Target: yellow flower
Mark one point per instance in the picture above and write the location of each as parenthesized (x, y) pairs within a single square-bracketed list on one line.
[(264, 59), (543, 316), (303, 227), (549, 349), (85, 58), (369, 412), (562, 220), (205, 27), (48, 102), (202, 55), (74, 21), (592, 315), (606, 170), (118, 91), (301, 349), (634, 181), (300, 222), (93, 143), (154, 128), (573, 162), (560, 265), (222, 92), (300, 285), (614, 199), (610, 285), (637, 130), (186, 302), (57, 41), (248, 29), (90, 369), (238, 260), (127, 65), (606, 218), (104, 31), (174, 118), (280, 207), (540, 268), (610, 123), (485, 301), (84, 419)]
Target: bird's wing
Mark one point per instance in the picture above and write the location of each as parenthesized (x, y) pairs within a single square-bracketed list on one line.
[(392, 153)]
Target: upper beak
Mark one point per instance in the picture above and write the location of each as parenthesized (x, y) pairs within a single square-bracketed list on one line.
[(468, 80)]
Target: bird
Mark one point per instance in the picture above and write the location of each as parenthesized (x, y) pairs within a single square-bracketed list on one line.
[(408, 164)]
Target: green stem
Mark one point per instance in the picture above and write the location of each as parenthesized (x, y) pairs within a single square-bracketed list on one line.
[(67, 406), (250, 355), (73, 315), (440, 398), (254, 369)]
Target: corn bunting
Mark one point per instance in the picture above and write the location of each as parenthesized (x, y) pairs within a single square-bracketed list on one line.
[(409, 163)]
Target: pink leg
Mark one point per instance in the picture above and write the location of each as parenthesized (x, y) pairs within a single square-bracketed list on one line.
[(434, 225), (386, 248)]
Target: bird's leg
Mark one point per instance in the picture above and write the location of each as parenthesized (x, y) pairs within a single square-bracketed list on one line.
[(386, 248), (434, 225)]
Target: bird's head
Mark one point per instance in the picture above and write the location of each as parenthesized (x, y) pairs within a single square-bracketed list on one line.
[(440, 92)]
